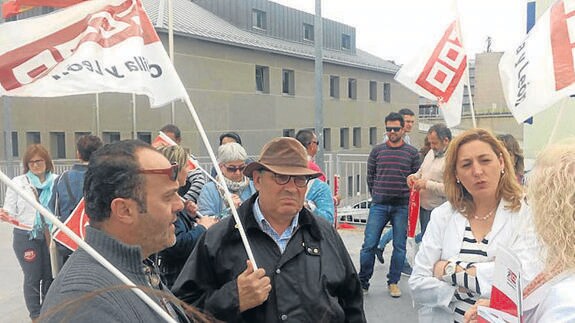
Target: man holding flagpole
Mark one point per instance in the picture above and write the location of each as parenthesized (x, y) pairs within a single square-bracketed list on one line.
[(131, 198), (305, 274)]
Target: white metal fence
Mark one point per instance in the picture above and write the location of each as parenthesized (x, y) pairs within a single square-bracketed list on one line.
[(351, 169)]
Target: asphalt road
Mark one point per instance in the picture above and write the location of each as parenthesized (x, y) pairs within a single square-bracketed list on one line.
[(379, 306)]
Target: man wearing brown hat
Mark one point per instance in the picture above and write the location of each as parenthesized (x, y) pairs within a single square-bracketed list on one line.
[(305, 273)]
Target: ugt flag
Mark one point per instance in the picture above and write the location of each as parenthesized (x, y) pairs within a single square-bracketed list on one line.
[(77, 222), (94, 46), (541, 70), (438, 73)]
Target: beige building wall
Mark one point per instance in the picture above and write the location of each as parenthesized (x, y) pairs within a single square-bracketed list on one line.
[(220, 80)]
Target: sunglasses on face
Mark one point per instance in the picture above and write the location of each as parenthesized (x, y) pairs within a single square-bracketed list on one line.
[(298, 180), (171, 172), (392, 129), (233, 169)]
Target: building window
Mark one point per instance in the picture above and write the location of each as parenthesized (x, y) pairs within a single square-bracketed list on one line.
[(373, 90), (344, 138), (32, 137), (350, 186), (262, 79), (308, 32), (109, 137), (334, 86), (289, 133), (58, 145), (145, 136), (386, 92), (357, 137), (288, 82), (373, 136), (352, 89), (79, 134), (14, 144), (259, 19), (345, 41), (327, 139)]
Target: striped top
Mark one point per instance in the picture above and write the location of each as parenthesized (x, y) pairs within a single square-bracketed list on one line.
[(472, 251), (387, 171)]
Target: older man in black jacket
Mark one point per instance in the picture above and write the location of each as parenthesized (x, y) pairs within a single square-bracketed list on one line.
[(305, 273)]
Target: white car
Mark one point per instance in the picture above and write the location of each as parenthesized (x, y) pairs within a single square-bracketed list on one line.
[(355, 213)]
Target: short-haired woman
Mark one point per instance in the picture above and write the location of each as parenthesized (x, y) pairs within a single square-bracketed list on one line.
[(232, 162)]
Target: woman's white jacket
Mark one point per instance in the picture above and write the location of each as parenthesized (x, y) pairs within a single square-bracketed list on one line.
[(442, 241)]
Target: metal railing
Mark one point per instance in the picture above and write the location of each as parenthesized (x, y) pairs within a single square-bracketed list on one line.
[(351, 169)]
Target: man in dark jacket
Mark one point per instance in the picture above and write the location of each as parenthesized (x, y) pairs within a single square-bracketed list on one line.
[(305, 273)]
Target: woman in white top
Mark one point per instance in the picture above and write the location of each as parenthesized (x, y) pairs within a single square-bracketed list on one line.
[(454, 265), (31, 230)]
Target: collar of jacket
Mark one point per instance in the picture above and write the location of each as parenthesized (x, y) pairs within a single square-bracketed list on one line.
[(246, 214)]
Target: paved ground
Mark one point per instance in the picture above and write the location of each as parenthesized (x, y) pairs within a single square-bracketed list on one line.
[(379, 306)]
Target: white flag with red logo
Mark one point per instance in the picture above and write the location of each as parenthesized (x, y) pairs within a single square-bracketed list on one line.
[(77, 222), (541, 70), (439, 73), (94, 46)]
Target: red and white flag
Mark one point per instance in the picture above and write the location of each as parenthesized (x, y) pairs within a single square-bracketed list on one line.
[(77, 222), (439, 72), (541, 70), (92, 47)]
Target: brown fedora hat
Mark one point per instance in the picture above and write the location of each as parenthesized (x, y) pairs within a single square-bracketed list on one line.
[(283, 155)]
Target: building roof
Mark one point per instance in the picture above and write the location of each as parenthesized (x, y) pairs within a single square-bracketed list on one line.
[(194, 21)]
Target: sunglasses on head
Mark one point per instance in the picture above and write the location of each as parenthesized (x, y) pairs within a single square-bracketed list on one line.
[(233, 169), (171, 172), (394, 129)]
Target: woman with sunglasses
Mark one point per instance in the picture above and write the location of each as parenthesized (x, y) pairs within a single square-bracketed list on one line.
[(232, 162), (32, 230)]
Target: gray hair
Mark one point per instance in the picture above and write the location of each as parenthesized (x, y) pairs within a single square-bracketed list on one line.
[(441, 131), (231, 152)]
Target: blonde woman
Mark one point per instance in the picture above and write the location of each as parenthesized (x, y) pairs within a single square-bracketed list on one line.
[(484, 209)]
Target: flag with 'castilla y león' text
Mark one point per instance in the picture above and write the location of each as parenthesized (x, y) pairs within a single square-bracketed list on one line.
[(92, 47)]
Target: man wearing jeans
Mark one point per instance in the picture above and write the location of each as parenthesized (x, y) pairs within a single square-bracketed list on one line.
[(388, 166)]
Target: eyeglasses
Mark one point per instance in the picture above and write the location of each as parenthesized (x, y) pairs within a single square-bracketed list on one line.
[(315, 142), (394, 129), (36, 162), (298, 180), (233, 169), (171, 172)]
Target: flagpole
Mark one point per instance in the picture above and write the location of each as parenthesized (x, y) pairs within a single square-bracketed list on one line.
[(470, 98), (468, 85), (227, 194), (134, 129), (171, 50), (98, 115), (81, 243)]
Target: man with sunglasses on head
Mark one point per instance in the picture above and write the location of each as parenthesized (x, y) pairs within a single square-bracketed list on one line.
[(232, 162), (388, 166), (131, 196), (305, 273)]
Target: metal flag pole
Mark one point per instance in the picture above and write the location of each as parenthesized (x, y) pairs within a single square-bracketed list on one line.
[(82, 244), (227, 194)]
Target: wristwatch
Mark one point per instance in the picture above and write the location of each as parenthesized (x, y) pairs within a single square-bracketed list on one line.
[(450, 268)]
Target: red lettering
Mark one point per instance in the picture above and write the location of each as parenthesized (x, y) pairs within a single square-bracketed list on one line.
[(561, 46)]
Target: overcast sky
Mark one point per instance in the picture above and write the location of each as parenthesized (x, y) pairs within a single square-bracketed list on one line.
[(395, 29)]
